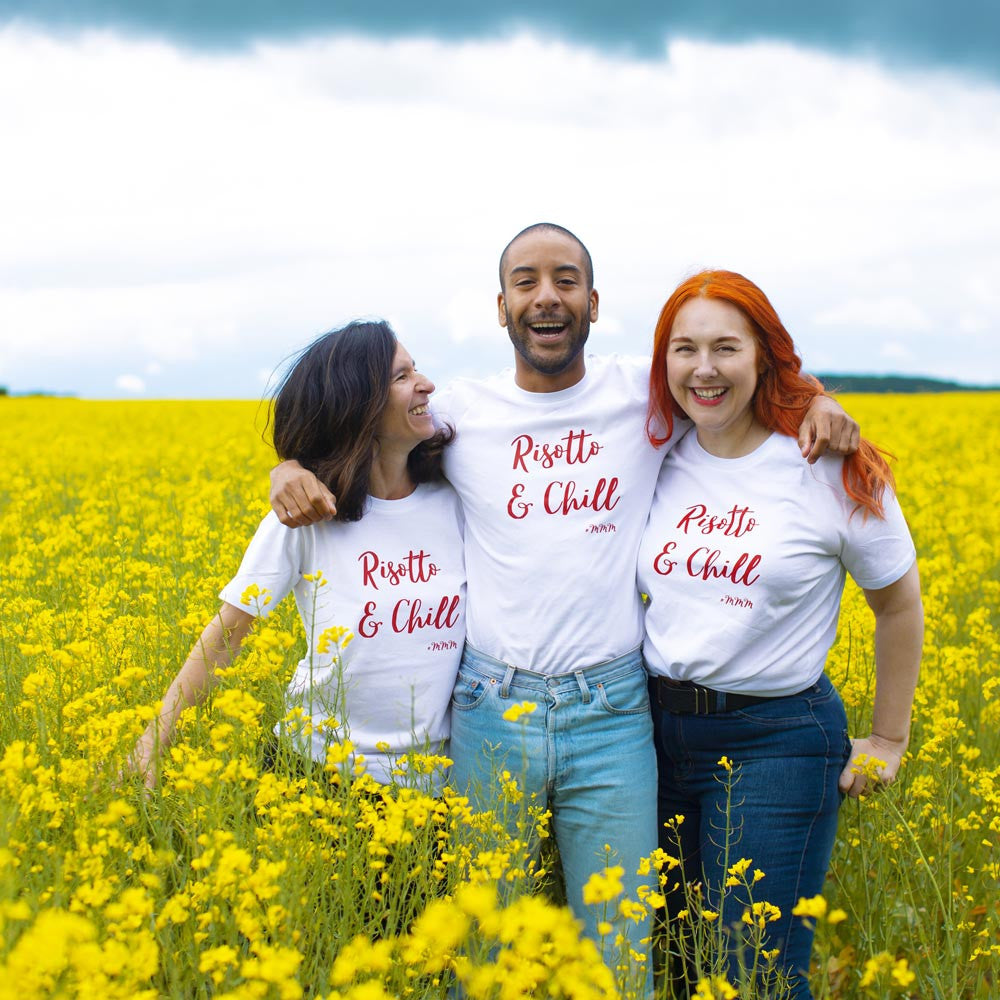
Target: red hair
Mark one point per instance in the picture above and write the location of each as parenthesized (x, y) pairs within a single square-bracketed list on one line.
[(784, 392)]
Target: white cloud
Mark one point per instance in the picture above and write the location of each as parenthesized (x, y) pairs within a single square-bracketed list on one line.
[(211, 213), (894, 350), (883, 313), (130, 383)]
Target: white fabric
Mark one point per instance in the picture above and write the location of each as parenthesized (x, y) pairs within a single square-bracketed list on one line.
[(555, 488), (744, 560), (396, 579)]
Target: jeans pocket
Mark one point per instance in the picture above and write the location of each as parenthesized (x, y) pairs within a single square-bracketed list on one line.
[(469, 693), (626, 695)]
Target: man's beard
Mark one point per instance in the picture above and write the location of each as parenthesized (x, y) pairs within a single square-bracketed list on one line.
[(544, 364)]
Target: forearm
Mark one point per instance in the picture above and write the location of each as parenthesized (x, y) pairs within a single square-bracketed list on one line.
[(217, 646), (898, 642), (899, 637)]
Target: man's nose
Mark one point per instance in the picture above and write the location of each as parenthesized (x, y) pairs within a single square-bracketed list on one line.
[(546, 293)]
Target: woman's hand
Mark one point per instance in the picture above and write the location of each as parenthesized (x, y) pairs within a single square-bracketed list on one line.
[(874, 764), (298, 497), (827, 427), (143, 762)]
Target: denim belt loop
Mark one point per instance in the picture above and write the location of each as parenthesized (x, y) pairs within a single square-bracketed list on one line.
[(584, 687), (508, 679)]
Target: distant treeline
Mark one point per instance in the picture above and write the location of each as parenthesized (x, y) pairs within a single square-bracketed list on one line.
[(897, 383)]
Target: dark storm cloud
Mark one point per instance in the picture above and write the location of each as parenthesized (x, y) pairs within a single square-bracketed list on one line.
[(961, 34)]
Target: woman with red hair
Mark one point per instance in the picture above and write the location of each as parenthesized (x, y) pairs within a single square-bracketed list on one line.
[(744, 559)]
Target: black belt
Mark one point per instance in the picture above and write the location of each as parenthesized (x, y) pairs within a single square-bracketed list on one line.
[(688, 698)]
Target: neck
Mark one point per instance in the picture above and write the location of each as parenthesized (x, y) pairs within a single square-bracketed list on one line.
[(734, 443), (390, 478), (532, 380)]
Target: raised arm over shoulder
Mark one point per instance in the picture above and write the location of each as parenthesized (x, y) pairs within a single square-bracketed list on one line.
[(298, 497), (828, 427)]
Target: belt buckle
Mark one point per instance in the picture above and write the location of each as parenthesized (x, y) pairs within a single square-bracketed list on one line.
[(699, 693)]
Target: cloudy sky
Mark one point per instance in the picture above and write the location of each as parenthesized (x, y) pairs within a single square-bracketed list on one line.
[(190, 191)]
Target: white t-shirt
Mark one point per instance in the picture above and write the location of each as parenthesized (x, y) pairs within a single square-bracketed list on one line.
[(556, 488), (396, 579), (743, 560)]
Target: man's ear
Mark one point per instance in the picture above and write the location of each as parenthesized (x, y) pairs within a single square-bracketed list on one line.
[(501, 310)]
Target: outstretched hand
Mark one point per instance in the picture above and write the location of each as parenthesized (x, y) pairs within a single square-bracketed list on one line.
[(828, 427), (874, 764), (298, 497)]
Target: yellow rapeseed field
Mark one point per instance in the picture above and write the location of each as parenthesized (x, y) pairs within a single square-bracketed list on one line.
[(119, 522)]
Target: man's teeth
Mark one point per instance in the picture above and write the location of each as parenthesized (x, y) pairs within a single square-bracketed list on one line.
[(547, 326), (708, 393)]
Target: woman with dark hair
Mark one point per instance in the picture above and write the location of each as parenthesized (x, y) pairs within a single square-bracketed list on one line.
[(388, 569), (744, 558)]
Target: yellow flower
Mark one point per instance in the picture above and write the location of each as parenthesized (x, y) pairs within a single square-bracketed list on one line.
[(604, 886), (814, 907), (337, 637), (256, 597), (521, 708), (715, 988), (901, 974)]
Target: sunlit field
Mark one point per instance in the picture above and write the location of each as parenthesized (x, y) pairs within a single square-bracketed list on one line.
[(240, 877)]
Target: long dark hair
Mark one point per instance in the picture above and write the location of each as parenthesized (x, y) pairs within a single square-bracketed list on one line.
[(327, 409)]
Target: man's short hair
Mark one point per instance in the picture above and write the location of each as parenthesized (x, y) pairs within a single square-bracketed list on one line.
[(551, 227)]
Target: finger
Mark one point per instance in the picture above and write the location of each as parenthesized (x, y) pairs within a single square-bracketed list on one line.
[(285, 506), (283, 509), (846, 780), (840, 437), (310, 506), (847, 438), (299, 508), (805, 439), (322, 505), (820, 443), (855, 439)]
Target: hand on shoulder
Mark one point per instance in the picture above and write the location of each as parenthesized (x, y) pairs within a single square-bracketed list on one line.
[(298, 497)]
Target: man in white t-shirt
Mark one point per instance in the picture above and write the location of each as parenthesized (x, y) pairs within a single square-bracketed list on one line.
[(556, 474)]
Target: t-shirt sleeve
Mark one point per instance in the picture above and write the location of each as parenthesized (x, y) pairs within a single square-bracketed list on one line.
[(271, 567), (878, 551)]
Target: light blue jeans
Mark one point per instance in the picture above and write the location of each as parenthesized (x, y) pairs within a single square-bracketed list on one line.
[(586, 753)]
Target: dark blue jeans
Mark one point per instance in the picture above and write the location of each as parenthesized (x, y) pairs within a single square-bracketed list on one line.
[(787, 755)]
